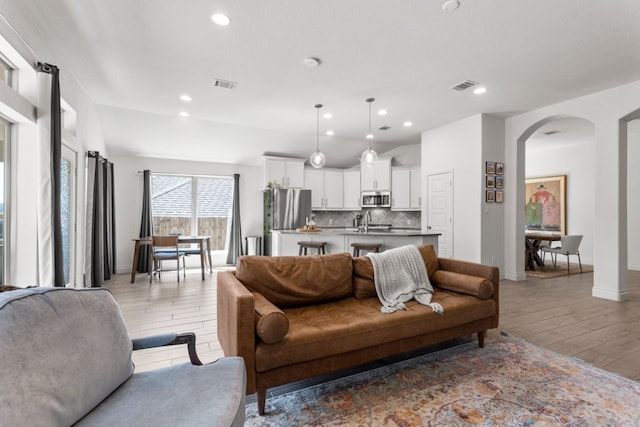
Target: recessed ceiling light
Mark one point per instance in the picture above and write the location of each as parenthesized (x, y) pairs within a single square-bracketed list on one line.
[(184, 114), (311, 62), (185, 98), (407, 124), (450, 5), (330, 133), (382, 112), (327, 115), (221, 19), (480, 90)]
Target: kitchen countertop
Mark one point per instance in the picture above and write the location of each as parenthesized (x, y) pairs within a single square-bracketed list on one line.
[(352, 232)]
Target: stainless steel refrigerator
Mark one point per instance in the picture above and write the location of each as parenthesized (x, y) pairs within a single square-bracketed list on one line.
[(284, 209)]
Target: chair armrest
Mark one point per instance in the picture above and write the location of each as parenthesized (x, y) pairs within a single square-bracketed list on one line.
[(188, 338)]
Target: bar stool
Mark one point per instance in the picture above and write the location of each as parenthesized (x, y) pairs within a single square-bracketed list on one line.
[(320, 246), (365, 247)]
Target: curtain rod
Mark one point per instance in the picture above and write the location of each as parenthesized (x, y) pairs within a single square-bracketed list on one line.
[(186, 174)]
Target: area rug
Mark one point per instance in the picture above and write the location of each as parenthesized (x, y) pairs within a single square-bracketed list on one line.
[(508, 383), (548, 271)]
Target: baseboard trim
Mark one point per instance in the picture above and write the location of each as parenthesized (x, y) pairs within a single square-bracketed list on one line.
[(517, 276), (610, 295)]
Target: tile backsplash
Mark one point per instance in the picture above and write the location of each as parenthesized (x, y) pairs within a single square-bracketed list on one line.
[(409, 219)]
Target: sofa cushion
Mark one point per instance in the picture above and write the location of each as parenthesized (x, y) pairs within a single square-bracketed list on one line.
[(363, 284), (271, 322), (351, 324), (463, 283), (294, 281), (182, 395), (70, 348)]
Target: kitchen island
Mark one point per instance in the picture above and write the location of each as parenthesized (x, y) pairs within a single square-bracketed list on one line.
[(285, 242)]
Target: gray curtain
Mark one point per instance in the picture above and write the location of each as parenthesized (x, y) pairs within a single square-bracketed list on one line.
[(146, 223), (55, 159), (235, 240), (101, 221)]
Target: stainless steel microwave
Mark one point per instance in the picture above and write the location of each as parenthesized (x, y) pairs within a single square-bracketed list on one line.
[(376, 199)]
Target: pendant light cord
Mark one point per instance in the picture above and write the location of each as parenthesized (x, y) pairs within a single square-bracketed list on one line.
[(317, 128)]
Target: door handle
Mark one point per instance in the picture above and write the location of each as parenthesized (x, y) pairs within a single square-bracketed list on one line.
[(428, 227)]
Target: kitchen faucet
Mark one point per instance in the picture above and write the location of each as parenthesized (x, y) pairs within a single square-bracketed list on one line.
[(367, 218)]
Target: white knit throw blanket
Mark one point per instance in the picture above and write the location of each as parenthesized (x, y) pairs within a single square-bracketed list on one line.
[(400, 275)]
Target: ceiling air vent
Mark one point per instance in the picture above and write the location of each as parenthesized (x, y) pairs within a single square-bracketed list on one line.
[(384, 127), (225, 84), (464, 85), (551, 132)]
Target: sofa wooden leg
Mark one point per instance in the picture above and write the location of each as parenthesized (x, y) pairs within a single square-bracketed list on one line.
[(262, 397), (481, 335)]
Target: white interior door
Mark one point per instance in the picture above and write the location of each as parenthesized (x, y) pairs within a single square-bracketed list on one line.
[(440, 210), (68, 207)]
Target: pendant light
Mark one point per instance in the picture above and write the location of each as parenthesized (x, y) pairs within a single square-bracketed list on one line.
[(369, 156), (317, 159)]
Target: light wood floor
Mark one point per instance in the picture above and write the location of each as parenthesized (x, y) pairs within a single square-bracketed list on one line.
[(558, 314)]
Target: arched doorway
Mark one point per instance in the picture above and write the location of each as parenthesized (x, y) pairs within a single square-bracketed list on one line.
[(563, 150)]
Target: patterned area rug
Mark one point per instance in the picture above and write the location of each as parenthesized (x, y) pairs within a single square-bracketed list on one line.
[(508, 383), (548, 271)]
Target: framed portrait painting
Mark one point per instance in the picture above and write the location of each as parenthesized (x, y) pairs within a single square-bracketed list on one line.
[(546, 200)]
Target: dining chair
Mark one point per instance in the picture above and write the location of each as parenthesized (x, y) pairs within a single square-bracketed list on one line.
[(568, 246), (545, 244), (166, 248)]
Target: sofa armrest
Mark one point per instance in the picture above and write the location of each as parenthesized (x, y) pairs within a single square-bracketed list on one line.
[(236, 328), (188, 338), (489, 272)]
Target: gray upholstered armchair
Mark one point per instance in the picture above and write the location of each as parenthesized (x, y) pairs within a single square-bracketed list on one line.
[(65, 359)]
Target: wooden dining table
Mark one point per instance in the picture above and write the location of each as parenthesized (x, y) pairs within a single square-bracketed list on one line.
[(532, 241), (147, 243)]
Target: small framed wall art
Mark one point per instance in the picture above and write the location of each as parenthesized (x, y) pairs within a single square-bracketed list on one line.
[(491, 181), (499, 182), (490, 196), (499, 168), (499, 196), (490, 168)]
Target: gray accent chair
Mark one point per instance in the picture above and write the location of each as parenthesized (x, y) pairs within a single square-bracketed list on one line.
[(569, 245), (65, 359)]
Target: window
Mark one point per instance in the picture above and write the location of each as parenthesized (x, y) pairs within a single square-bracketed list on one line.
[(6, 72), (192, 205)]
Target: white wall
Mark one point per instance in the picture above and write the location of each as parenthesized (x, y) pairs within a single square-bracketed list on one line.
[(633, 180), (128, 193), (457, 147), (491, 240), (577, 162)]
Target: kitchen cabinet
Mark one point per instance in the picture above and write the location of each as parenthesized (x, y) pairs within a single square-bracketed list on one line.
[(400, 189), (376, 177), (405, 189), (327, 188), (352, 190), (288, 172), (416, 189)]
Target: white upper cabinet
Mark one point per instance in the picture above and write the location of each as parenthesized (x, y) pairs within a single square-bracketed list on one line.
[(376, 177), (352, 190), (327, 188), (400, 188), (405, 189), (287, 172), (416, 188)]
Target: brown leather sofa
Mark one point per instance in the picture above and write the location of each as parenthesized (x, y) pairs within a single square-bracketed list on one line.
[(297, 317)]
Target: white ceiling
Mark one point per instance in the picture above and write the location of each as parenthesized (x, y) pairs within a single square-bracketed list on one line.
[(135, 57)]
